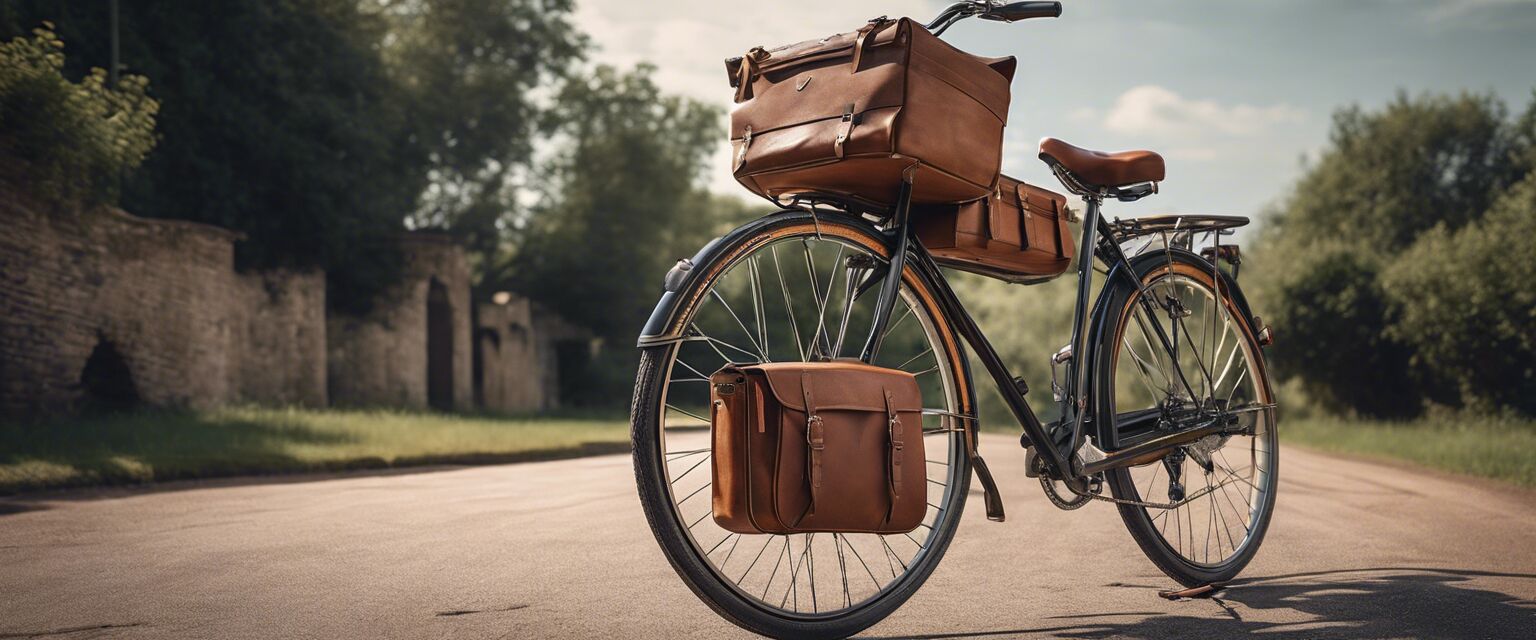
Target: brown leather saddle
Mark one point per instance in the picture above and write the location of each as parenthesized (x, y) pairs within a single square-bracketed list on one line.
[(1099, 170)]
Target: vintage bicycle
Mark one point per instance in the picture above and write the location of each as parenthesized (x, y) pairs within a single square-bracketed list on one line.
[(1164, 396)]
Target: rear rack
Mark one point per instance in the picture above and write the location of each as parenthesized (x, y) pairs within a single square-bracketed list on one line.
[(1186, 226)]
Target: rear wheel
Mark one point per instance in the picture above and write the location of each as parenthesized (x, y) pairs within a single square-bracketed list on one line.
[(1221, 488), (794, 288)]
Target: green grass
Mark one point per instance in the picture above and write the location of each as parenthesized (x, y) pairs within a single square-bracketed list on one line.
[(156, 446), (1491, 447)]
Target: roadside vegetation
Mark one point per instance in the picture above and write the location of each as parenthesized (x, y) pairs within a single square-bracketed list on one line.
[(1501, 448), (157, 446)]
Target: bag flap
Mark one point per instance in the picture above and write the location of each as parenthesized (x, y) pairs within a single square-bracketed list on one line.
[(1040, 201), (845, 385)]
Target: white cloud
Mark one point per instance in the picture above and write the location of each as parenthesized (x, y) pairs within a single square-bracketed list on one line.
[(1154, 110), (1452, 9)]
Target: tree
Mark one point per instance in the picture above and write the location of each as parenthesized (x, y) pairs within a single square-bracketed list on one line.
[(620, 202), (1464, 301), (73, 140), (470, 70), (317, 127), (1359, 268)]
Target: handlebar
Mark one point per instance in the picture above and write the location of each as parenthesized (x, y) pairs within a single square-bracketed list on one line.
[(989, 10), (1015, 11)]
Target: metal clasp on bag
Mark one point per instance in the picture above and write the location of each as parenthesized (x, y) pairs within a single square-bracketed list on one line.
[(813, 435), (746, 141)]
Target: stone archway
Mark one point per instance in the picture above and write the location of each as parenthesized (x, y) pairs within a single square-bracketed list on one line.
[(439, 347), (106, 383)]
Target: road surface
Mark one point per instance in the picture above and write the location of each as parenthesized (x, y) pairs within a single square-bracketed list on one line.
[(561, 550)]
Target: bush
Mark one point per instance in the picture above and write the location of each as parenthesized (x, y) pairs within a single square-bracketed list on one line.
[(1393, 271), (1466, 304), (1331, 338), (74, 140)]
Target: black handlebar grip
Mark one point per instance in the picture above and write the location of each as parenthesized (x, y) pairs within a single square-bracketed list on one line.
[(1015, 11)]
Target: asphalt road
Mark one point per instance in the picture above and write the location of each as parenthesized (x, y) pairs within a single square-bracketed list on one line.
[(561, 550)]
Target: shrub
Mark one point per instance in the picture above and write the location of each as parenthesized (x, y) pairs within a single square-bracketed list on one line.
[(73, 140), (1465, 303)]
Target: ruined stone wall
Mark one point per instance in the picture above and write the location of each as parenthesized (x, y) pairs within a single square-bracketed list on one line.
[(164, 296), (511, 374), (381, 359)]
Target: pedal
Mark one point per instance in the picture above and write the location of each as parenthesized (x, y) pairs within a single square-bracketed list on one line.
[(1057, 431)]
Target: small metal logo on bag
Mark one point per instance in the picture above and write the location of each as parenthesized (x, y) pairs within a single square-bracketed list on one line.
[(725, 388)]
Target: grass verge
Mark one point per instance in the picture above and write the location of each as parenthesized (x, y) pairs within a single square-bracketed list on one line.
[(1491, 447), (157, 446)]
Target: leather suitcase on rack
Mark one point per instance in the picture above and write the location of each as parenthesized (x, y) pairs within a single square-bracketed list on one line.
[(804, 447), (849, 113), (1019, 233)]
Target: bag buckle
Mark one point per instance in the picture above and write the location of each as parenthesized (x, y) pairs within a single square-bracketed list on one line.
[(845, 130), (813, 435)]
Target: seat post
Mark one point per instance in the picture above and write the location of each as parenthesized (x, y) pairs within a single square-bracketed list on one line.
[(1076, 400)]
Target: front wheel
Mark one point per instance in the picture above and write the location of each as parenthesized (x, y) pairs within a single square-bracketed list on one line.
[(794, 288), (1223, 486)]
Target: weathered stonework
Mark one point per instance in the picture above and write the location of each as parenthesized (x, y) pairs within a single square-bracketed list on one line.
[(518, 361), (164, 296), (382, 359), (157, 310)]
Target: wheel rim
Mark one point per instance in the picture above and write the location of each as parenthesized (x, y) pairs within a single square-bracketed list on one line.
[(753, 311), (1227, 481)]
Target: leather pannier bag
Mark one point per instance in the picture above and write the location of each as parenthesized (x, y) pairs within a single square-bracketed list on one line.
[(1019, 233), (804, 447), (849, 113)]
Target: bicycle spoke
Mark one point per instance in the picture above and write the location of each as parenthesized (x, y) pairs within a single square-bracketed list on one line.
[(744, 330), (690, 414), (690, 469), (788, 306), (758, 310), (754, 561)]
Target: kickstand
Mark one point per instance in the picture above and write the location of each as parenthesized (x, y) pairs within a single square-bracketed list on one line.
[(1202, 591)]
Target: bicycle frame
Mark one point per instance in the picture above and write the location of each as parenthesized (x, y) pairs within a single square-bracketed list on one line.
[(1097, 242)]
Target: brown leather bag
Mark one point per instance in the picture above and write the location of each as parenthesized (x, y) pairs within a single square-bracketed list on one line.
[(1019, 233), (849, 113), (805, 447)]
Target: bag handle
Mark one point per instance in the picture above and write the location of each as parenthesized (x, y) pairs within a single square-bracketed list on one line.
[(875, 26), (748, 69)]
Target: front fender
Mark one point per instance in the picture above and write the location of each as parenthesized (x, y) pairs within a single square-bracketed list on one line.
[(658, 329)]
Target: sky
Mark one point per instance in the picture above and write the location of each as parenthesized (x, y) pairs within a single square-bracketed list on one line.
[(1233, 94)]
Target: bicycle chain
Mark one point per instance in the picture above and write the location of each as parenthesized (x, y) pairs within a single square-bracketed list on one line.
[(1154, 505)]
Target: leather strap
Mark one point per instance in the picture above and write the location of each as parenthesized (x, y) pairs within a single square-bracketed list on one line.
[(874, 27), (844, 130), (815, 439), (893, 421), (747, 71)]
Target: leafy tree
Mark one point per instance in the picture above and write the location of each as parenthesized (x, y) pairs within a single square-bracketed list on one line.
[(317, 127), (1464, 301), (471, 69), (73, 140), (620, 202), (1390, 175), (1353, 269)]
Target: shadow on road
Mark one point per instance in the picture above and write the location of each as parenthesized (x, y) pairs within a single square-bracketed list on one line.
[(1359, 603)]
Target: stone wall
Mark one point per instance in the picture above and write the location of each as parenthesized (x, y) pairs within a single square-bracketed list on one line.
[(102, 307), (157, 300), (382, 359)]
